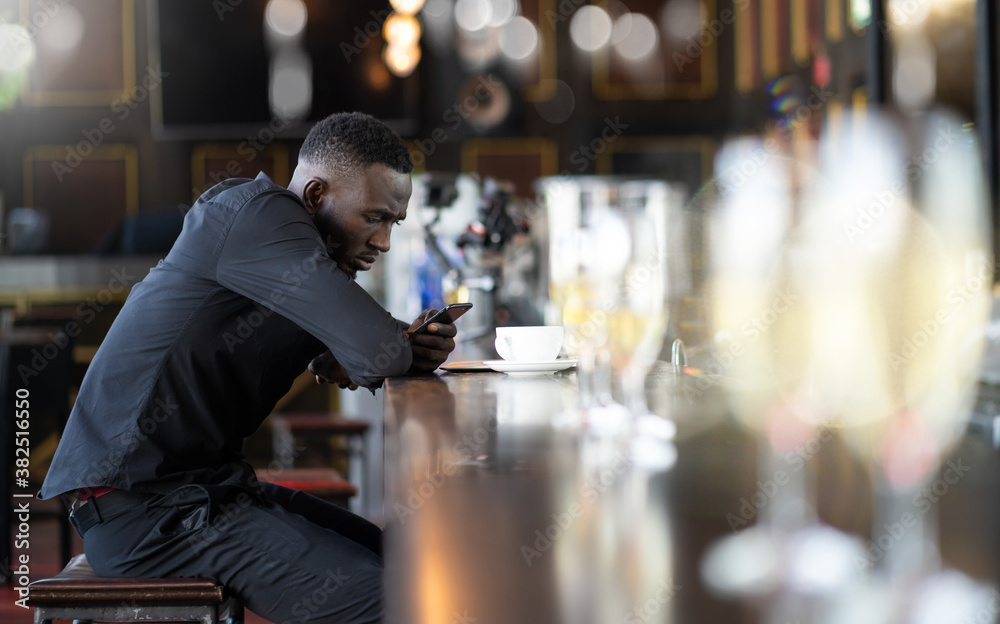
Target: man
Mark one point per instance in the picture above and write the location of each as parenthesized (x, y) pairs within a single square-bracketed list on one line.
[(258, 285)]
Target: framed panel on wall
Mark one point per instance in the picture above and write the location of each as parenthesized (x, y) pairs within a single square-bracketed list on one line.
[(747, 62), (775, 38), (799, 20), (212, 163), (538, 72), (772, 37), (84, 197), (834, 18), (521, 161), (658, 50), (687, 160), (84, 53)]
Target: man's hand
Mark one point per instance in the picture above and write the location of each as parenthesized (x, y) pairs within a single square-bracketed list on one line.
[(430, 349), (328, 370)]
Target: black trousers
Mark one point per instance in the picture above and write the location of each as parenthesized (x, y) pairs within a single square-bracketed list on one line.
[(298, 560)]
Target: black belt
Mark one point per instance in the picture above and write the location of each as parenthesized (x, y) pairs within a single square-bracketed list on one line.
[(104, 507)]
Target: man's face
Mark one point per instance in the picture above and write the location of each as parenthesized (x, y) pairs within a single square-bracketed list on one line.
[(356, 215)]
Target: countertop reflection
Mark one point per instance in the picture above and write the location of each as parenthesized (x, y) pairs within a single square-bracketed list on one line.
[(501, 508)]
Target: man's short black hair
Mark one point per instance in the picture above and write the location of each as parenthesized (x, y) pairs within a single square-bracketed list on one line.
[(344, 143)]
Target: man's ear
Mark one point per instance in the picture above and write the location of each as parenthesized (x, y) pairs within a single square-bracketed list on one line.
[(312, 194)]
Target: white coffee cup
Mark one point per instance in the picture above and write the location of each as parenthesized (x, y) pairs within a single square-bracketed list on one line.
[(529, 344)]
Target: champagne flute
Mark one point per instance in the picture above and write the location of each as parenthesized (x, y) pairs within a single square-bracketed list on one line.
[(568, 290), (608, 277), (891, 274), (759, 260), (606, 566), (919, 272), (637, 322)]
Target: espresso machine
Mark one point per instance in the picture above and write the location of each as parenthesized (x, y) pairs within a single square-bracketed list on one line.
[(466, 239)]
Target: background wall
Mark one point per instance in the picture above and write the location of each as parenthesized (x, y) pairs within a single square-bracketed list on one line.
[(79, 142)]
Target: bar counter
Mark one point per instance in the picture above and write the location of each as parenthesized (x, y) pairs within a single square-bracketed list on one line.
[(500, 507)]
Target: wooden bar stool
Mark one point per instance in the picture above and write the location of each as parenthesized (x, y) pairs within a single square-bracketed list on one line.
[(322, 483), (77, 593), (323, 426)]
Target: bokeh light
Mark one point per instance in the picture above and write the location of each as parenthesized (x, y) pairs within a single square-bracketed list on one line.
[(519, 38), (401, 30), (378, 75), (407, 7), (17, 50), (590, 28), (682, 19), (436, 9), (635, 36), (559, 107), (286, 17), (291, 85), (503, 12), (473, 15), (401, 61), (914, 80), (64, 32)]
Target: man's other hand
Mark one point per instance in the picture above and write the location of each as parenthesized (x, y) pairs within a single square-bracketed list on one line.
[(431, 348), (327, 369)]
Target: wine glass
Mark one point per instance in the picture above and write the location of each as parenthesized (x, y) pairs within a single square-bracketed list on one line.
[(608, 279), (607, 565), (571, 300), (760, 262), (916, 263), (886, 257), (638, 320)]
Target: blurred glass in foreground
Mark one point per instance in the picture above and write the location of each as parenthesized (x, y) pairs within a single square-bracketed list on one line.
[(851, 291)]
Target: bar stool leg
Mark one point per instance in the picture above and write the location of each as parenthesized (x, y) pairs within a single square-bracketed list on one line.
[(283, 448), (358, 471)]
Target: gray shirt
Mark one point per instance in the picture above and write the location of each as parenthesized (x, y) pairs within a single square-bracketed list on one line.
[(206, 345)]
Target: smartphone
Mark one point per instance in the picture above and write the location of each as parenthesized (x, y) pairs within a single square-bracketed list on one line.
[(449, 314)]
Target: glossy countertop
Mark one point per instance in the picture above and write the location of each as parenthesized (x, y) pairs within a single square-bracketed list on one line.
[(504, 504)]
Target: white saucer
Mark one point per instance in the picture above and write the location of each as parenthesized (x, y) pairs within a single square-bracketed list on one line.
[(472, 366), (551, 366)]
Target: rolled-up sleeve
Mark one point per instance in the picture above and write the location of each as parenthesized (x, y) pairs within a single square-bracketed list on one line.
[(274, 255)]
